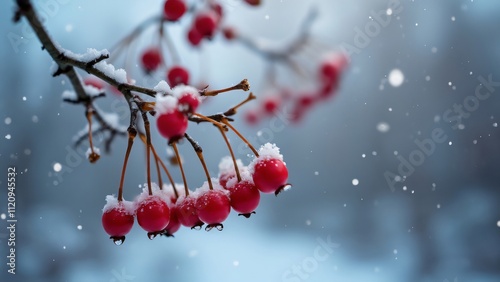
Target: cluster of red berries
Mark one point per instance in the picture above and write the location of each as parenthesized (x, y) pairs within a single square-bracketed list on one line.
[(164, 211), (298, 104)]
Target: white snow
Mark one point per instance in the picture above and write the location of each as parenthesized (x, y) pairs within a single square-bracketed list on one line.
[(383, 127), (112, 119), (162, 87), (112, 202), (69, 95), (91, 90), (57, 167), (88, 152), (120, 75), (7, 120), (245, 174), (181, 90), (165, 104), (88, 56), (205, 188), (226, 164), (396, 78), (266, 152)]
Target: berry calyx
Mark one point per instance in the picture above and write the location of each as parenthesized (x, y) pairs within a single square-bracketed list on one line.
[(151, 59), (153, 215), (213, 207), (245, 197), (173, 10), (117, 219), (187, 213), (177, 75)]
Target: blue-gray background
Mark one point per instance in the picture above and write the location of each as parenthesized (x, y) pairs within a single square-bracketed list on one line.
[(442, 227)]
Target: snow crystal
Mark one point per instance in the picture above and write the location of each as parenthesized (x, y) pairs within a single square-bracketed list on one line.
[(120, 75), (89, 151), (88, 56), (383, 127), (79, 227), (355, 182), (113, 119), (34, 119), (8, 136), (69, 95), (245, 174), (8, 120), (162, 87), (3, 216), (205, 188), (236, 263), (165, 104), (270, 151), (396, 77), (57, 167), (498, 223), (112, 202)]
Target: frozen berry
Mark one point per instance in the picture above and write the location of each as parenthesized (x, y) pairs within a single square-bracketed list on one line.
[(174, 9), (153, 215), (187, 213), (177, 75), (151, 59), (206, 23), (244, 197), (172, 125), (270, 175), (118, 221), (213, 208)]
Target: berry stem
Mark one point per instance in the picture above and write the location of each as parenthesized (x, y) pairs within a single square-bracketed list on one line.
[(157, 159), (226, 122), (243, 85), (233, 110), (148, 151), (199, 151), (178, 156), (132, 132), (223, 132), (93, 157)]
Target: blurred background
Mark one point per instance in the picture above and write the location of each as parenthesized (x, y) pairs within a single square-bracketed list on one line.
[(347, 218)]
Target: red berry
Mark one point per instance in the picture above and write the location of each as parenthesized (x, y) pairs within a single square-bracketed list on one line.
[(177, 75), (206, 23), (117, 222), (217, 8), (172, 125), (174, 9), (252, 117), (151, 59), (229, 33), (188, 98), (213, 207), (194, 36), (153, 214), (253, 2), (244, 197), (225, 176), (270, 175), (174, 223), (306, 100), (94, 81), (271, 104), (187, 213)]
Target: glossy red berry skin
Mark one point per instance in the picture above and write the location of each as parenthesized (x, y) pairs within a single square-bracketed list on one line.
[(174, 223), (245, 197), (172, 125), (117, 222), (187, 213), (151, 59), (206, 23), (213, 206), (270, 175), (194, 36), (173, 10), (177, 75), (153, 214)]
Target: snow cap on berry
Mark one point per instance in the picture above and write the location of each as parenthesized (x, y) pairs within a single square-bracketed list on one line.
[(205, 188), (112, 202), (162, 194), (266, 152), (226, 165), (245, 174), (181, 89), (165, 104), (162, 87)]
